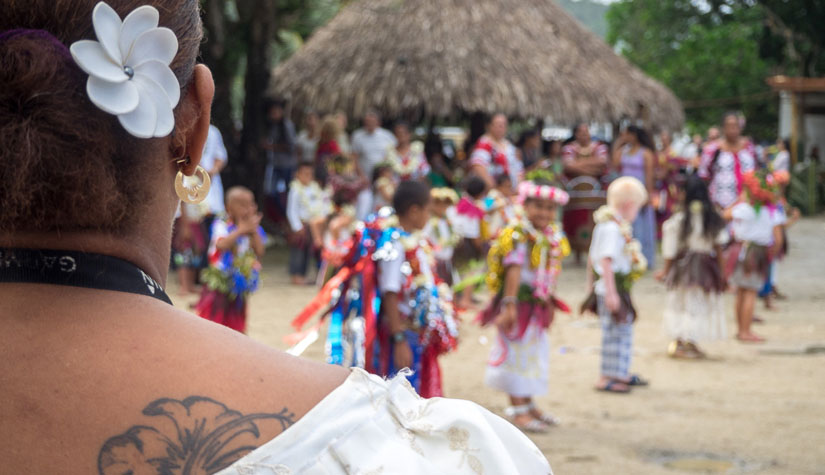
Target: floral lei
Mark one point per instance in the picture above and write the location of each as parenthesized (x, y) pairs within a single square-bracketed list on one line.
[(443, 242), (412, 164), (318, 208), (545, 249), (632, 248)]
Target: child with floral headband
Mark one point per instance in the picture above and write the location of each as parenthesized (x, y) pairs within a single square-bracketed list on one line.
[(439, 231), (757, 232), (524, 266), (617, 262)]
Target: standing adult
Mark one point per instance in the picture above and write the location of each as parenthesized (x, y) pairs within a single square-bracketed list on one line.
[(343, 138), (494, 155), (280, 152), (407, 159), (725, 161), (782, 160), (529, 145), (585, 159), (634, 156), (307, 140), (371, 143), (214, 161), (666, 171), (327, 148)]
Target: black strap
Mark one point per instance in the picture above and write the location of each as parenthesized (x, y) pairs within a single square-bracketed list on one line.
[(77, 269)]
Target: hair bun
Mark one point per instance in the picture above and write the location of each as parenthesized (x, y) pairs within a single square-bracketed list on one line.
[(50, 132)]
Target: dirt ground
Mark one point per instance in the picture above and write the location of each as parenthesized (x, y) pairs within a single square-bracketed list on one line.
[(748, 409)]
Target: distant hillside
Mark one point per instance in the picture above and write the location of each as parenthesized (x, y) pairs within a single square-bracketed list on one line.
[(590, 13)]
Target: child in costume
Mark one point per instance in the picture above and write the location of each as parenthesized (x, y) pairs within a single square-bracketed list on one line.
[(234, 261), (692, 241), (498, 206), (307, 208), (757, 232), (387, 308), (617, 261), (470, 224), (383, 187), (188, 245), (340, 228), (524, 266), (439, 231)]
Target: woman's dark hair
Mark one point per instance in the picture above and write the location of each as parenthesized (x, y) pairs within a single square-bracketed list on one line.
[(474, 186), (502, 179), (712, 223), (525, 136), (65, 165), (642, 136), (408, 194)]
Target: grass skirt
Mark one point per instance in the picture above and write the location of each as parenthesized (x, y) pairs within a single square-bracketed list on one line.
[(220, 308)]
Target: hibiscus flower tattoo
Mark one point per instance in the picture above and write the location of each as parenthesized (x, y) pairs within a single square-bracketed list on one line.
[(196, 436)]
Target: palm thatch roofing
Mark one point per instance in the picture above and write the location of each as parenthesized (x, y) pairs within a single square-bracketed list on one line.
[(441, 58)]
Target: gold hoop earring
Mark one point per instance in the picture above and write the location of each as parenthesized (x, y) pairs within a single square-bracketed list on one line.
[(193, 194)]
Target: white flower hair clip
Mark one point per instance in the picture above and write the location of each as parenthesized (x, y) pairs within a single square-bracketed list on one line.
[(128, 68)]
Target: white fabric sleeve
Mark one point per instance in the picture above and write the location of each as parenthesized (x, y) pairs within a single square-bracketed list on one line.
[(390, 278), (670, 237), (293, 210), (220, 148), (368, 423)]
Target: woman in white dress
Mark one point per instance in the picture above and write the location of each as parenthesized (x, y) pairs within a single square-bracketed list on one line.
[(101, 374)]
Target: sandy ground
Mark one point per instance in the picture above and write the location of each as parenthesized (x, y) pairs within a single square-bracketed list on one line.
[(748, 409)]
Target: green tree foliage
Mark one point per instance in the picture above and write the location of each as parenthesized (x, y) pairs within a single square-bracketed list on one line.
[(245, 39), (709, 53)]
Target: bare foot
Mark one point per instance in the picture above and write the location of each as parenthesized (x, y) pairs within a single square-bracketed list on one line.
[(750, 338), (298, 280)]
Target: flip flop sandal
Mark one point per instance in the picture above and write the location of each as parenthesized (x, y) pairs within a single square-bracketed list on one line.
[(548, 419), (637, 380), (611, 387)]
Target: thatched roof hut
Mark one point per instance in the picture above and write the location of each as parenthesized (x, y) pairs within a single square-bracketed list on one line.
[(441, 58)]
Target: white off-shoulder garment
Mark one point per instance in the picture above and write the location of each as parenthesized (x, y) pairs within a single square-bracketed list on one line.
[(372, 426)]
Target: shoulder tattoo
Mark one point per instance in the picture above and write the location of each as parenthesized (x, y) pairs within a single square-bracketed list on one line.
[(195, 436)]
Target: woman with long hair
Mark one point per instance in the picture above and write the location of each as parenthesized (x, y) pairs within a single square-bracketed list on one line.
[(104, 113), (634, 155)]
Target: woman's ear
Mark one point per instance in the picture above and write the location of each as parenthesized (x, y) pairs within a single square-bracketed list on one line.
[(199, 96)]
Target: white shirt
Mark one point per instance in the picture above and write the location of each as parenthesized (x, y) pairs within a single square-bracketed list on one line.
[(750, 226), (308, 146), (609, 242), (782, 161), (434, 230), (372, 148), (368, 425), (306, 202), (214, 151)]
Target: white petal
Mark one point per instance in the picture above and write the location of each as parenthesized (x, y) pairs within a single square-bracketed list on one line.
[(114, 98), (163, 76), (151, 90), (142, 121), (107, 28), (135, 24), (158, 44), (92, 58)]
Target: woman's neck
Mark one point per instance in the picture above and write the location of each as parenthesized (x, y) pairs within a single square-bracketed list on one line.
[(143, 253)]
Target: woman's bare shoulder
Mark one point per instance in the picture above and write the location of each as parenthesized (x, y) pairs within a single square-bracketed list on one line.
[(150, 386)]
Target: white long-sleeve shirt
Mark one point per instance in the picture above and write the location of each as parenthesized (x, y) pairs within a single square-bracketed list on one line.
[(306, 202)]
